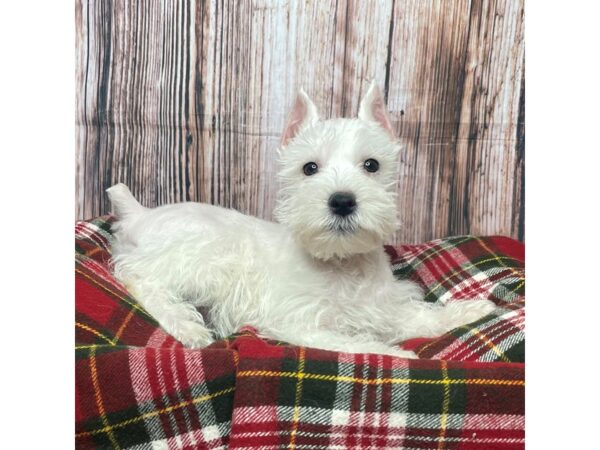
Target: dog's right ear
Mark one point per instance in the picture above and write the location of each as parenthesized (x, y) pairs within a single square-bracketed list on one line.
[(304, 113)]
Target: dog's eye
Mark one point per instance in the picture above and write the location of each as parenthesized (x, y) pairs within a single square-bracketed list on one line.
[(371, 165), (310, 168)]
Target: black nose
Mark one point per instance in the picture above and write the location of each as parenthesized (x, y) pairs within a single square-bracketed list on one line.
[(342, 203)]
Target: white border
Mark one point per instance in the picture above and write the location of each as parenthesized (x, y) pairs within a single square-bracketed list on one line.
[(37, 151), (561, 228)]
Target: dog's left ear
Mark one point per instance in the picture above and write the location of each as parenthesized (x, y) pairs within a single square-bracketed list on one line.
[(372, 109)]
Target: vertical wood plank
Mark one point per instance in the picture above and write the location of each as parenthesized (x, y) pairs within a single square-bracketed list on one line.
[(489, 151), (425, 75), (365, 52)]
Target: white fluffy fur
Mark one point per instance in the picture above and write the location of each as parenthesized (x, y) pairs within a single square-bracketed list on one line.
[(314, 279)]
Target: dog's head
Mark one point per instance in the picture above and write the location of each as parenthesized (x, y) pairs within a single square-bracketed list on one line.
[(338, 178)]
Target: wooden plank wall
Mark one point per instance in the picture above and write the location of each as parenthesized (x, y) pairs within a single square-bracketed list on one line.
[(186, 100)]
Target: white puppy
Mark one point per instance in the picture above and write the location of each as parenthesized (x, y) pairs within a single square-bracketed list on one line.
[(319, 278)]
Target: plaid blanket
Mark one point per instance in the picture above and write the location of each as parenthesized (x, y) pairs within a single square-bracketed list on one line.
[(138, 388)]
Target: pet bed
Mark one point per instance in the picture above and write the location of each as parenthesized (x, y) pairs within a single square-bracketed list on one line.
[(138, 388)]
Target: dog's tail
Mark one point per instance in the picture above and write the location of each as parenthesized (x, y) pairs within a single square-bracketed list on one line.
[(123, 202)]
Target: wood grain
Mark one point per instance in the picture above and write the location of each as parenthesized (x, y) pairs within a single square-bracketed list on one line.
[(185, 100)]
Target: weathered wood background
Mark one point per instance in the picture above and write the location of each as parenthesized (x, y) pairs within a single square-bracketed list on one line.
[(186, 100)]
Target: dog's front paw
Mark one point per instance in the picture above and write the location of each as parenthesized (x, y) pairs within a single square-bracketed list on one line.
[(476, 309), (192, 334), (467, 311), (404, 353), (384, 349), (186, 324)]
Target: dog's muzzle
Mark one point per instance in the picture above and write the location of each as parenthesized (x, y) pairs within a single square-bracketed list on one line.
[(342, 203)]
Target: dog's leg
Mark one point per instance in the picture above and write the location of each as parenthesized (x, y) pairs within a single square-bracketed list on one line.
[(422, 319), (177, 317), (328, 340)]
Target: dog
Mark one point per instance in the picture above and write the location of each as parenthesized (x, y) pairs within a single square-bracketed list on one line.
[(319, 277)]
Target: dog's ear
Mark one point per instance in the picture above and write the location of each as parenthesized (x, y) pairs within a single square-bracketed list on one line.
[(372, 109), (304, 113)]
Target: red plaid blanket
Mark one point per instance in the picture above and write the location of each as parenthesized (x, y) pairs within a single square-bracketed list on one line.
[(138, 388)]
